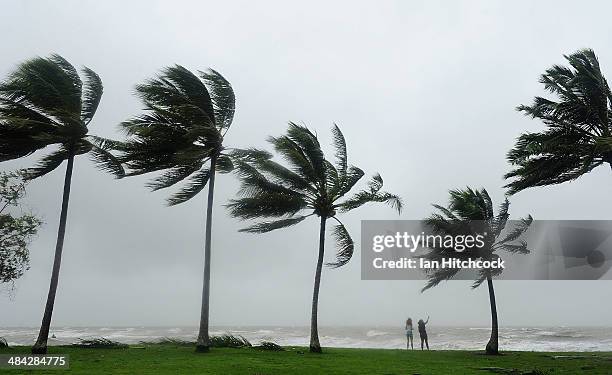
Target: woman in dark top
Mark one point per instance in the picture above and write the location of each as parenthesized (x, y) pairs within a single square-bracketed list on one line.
[(423, 332)]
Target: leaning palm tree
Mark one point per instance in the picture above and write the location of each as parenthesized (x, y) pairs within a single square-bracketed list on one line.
[(310, 186), (181, 133), (43, 103), (578, 135), (470, 212)]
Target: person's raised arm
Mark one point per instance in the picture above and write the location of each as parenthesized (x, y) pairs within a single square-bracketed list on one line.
[(427, 321)]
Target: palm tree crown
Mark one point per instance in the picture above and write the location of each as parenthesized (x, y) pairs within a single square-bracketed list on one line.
[(578, 126), (44, 102), (310, 183), (471, 212), (181, 131)]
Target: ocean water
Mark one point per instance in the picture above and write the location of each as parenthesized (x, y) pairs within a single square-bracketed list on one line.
[(440, 338)]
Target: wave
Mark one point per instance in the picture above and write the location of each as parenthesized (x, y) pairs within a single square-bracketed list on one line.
[(374, 333), (441, 338)]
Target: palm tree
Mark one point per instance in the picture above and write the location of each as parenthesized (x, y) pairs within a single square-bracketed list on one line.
[(181, 133), (43, 103), (578, 126), (310, 183), (471, 212)]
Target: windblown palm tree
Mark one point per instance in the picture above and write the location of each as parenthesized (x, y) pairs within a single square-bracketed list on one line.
[(181, 133), (310, 183), (470, 212), (43, 103), (578, 123)]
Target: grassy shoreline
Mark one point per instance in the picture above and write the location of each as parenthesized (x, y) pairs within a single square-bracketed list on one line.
[(176, 359)]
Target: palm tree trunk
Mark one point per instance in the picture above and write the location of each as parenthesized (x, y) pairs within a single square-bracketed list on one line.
[(203, 343), (493, 344), (40, 347), (315, 346)]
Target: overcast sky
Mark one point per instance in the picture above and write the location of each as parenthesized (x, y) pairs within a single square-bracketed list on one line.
[(424, 92)]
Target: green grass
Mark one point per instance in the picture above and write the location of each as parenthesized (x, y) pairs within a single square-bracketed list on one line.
[(178, 359)]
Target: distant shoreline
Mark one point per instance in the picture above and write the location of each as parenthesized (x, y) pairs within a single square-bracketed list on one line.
[(537, 339)]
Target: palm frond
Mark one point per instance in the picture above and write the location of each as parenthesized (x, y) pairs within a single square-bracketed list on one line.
[(333, 181), (273, 225), (266, 204), (173, 176), (284, 176), (223, 99), (353, 176), (502, 217), (341, 153), (485, 273), (195, 184), (253, 182), (373, 194), (224, 164), (554, 156), (103, 158), (519, 248), (576, 120), (294, 155), (263, 197), (47, 164), (20, 121), (250, 154), (483, 194), (310, 147), (92, 93), (448, 213), (518, 230), (344, 244)]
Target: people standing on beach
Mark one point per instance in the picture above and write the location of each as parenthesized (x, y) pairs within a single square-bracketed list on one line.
[(409, 339), (423, 332)]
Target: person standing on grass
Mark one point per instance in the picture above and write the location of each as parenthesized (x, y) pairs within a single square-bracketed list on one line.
[(409, 339), (423, 332)]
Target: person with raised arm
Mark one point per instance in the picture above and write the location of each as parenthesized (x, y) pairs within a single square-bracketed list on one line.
[(423, 332)]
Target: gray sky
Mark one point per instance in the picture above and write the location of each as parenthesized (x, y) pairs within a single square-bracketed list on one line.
[(424, 92)]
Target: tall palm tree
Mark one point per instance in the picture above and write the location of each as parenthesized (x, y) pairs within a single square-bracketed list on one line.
[(43, 103), (181, 133), (310, 186), (578, 134), (471, 212)]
